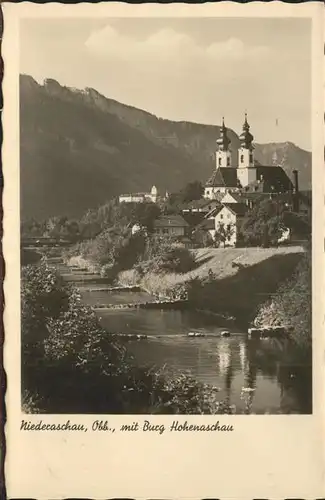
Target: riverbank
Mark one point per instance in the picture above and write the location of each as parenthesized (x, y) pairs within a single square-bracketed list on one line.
[(290, 306)]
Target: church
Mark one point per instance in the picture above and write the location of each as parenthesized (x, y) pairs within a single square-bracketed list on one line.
[(247, 176)]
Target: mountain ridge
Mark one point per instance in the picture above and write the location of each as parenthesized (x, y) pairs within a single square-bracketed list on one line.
[(80, 148)]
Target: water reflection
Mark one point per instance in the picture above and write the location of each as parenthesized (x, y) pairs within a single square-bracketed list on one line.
[(228, 364), (242, 355)]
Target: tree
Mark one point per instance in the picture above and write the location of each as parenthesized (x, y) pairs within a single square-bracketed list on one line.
[(145, 214), (32, 227), (192, 191), (202, 238), (224, 234), (89, 230), (43, 295), (264, 224)]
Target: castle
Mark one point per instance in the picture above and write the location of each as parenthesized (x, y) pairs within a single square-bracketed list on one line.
[(140, 197), (247, 175)]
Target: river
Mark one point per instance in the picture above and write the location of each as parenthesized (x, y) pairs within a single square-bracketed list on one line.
[(231, 363)]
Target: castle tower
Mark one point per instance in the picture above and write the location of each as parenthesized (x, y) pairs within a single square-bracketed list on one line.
[(223, 154), (154, 194), (246, 168)]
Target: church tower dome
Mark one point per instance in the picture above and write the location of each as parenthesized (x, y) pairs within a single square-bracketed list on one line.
[(223, 153), (223, 142), (246, 164), (246, 138)]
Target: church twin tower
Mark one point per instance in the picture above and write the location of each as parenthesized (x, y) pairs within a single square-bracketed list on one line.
[(245, 167)]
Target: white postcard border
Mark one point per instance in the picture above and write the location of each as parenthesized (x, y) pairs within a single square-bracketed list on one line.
[(266, 456)]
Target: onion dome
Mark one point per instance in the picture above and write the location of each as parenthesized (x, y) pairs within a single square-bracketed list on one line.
[(223, 141), (246, 138)]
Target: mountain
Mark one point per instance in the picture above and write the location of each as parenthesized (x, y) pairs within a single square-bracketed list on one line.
[(79, 148)]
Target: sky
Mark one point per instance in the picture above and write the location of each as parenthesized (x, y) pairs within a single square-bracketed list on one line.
[(193, 69)]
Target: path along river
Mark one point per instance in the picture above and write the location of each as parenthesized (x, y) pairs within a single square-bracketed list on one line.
[(230, 363)]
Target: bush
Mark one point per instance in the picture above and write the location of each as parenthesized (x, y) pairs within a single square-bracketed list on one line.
[(109, 271), (168, 287), (130, 277), (291, 306), (82, 263), (115, 247), (170, 260), (43, 295)]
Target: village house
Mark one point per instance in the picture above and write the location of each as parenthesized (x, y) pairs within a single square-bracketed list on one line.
[(202, 206), (171, 225), (225, 221), (195, 211)]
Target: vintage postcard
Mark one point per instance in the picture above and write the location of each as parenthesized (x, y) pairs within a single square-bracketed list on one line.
[(163, 240)]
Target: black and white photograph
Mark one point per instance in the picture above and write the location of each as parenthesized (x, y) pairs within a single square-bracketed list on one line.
[(163, 240), (166, 215)]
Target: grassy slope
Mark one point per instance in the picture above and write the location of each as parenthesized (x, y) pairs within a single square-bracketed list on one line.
[(220, 260), (244, 278), (240, 290)]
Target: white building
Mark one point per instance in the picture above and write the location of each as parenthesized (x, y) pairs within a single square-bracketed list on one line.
[(225, 221), (140, 197), (132, 198)]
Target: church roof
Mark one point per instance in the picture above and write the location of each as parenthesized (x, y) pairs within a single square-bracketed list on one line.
[(270, 179), (223, 177)]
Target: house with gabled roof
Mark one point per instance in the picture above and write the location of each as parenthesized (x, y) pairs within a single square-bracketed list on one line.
[(203, 205), (224, 221), (171, 225)]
